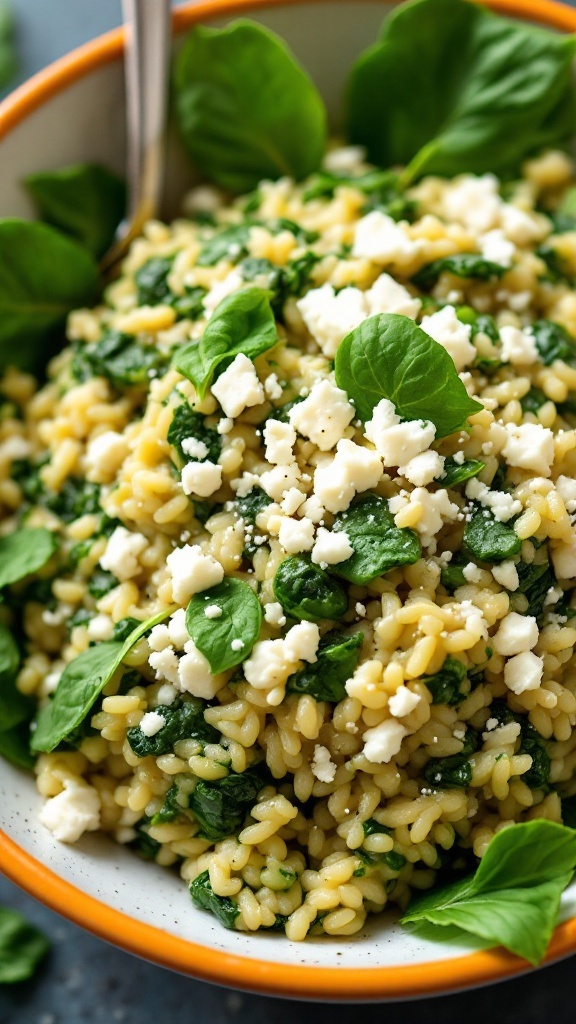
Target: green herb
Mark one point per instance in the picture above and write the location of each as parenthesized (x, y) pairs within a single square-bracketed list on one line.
[(514, 896), (8, 62), (488, 539), (23, 552), (557, 267), (77, 497), (461, 264), (377, 184), (371, 827), (81, 683), (143, 844), (394, 861), (221, 807), (187, 423), (14, 706), (531, 742), (448, 772), (481, 323), (378, 544), (124, 628), (457, 472), (119, 358), (389, 356), (15, 746), (536, 579), (445, 685), (564, 216), (252, 504), (553, 342), (305, 591), (449, 88), (452, 575), (325, 679), (176, 800), (151, 281), (228, 243), (533, 401), (240, 619), (204, 897), (22, 947), (184, 721), (85, 201), (242, 323), (253, 267), (246, 110), (101, 583)]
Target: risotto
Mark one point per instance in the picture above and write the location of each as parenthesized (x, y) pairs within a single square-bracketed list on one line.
[(326, 653)]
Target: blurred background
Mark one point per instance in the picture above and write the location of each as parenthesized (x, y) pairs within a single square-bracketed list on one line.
[(86, 981)]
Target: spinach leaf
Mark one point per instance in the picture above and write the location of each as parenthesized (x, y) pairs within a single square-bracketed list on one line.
[(449, 88), (564, 216), (535, 582), (85, 201), (378, 544), (228, 243), (553, 342), (43, 276), (77, 497), (337, 658), (242, 323), (24, 551), (143, 844), (151, 281), (445, 685), (514, 896), (221, 807), (14, 706), (481, 323), (569, 811), (246, 110), (252, 504), (240, 620), (490, 540), (452, 575), (120, 358), (22, 947), (457, 472), (15, 746), (101, 582), (393, 860), (81, 683), (176, 799), (448, 772), (531, 742), (461, 264), (557, 267), (187, 423), (376, 183), (8, 62), (305, 591), (534, 400), (124, 628), (204, 897), (389, 356), (184, 721), (371, 827)]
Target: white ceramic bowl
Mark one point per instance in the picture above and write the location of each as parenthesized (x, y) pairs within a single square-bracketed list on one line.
[(73, 112)]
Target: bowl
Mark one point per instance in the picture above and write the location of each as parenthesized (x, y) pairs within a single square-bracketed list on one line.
[(74, 111)]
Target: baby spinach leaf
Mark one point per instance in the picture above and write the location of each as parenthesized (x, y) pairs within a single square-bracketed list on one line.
[(531, 742), (204, 897), (124, 628), (534, 400), (305, 591), (379, 545), (22, 947), (535, 582), (514, 895), (371, 827), (564, 216), (452, 575), (77, 497), (389, 356), (553, 342), (461, 264), (221, 807), (228, 243), (393, 860), (240, 620), (448, 772), (24, 551), (187, 423), (457, 472), (252, 504), (81, 683), (449, 88), (557, 267), (481, 323), (151, 281), (85, 201), (325, 679), (120, 358), (101, 582), (445, 685), (8, 62), (15, 746), (184, 721), (14, 706), (242, 323), (43, 276), (246, 110), (489, 539)]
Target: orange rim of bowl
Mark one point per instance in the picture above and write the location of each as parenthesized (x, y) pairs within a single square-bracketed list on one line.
[(147, 941)]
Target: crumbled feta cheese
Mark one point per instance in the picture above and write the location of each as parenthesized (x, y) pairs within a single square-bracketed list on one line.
[(72, 812), (473, 201), (381, 239), (566, 487), (166, 694), (445, 328), (159, 637), (165, 664), (274, 614), (194, 448), (201, 478), (237, 645), (292, 500), (104, 455), (177, 629), (213, 611), (383, 741), (520, 227), (331, 548), (272, 387), (100, 627), (272, 661), (244, 484), (503, 735), (564, 559), (194, 674), (280, 479), (221, 290), (323, 416), (471, 573), (192, 571), (204, 199), (398, 443), (387, 296), (360, 609), (238, 388), (436, 509), (353, 469), (459, 458), (518, 347), (151, 723), (330, 317), (523, 672), (423, 468), (323, 766), (502, 505), (344, 159), (301, 642), (122, 552), (506, 574), (496, 248), (403, 701), (516, 633), (296, 535), (14, 447), (472, 619), (224, 426), (529, 446), (279, 439), (313, 509)]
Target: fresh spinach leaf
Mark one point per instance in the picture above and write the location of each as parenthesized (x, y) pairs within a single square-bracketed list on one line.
[(43, 276), (120, 358), (14, 706), (336, 659), (204, 897), (461, 264), (449, 88), (85, 201), (488, 539), (371, 827), (448, 772), (564, 216), (23, 552), (452, 575), (481, 323), (389, 356), (533, 401), (531, 742), (378, 544), (242, 323), (246, 110), (553, 342), (15, 746), (22, 947), (227, 243), (514, 896), (143, 844), (81, 683), (393, 860), (77, 497), (252, 504), (184, 721), (307, 592), (557, 267), (240, 620), (101, 582), (187, 423), (221, 807), (445, 685), (151, 281), (124, 628), (535, 582), (457, 472)]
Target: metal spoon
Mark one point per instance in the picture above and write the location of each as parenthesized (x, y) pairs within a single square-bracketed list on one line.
[(147, 25)]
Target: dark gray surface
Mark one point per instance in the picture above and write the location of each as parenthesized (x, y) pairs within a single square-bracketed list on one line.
[(85, 981)]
